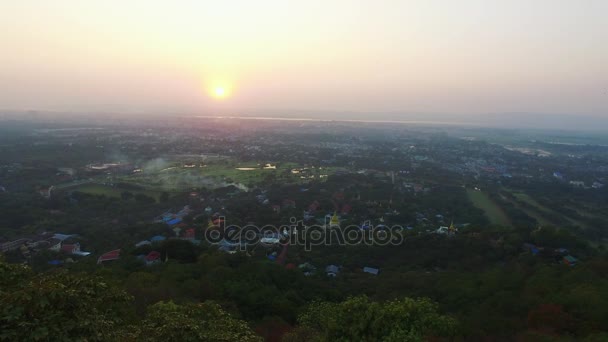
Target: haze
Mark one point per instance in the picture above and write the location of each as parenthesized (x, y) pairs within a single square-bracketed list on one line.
[(456, 59)]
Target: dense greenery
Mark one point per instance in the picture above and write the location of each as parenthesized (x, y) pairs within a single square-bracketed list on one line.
[(359, 319), (59, 306)]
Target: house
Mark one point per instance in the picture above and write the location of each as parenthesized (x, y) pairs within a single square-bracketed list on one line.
[(174, 221), (143, 243), (346, 208), (451, 230), (332, 270), (312, 208), (228, 247), (307, 267), (442, 230), (570, 260), (12, 245), (54, 244), (371, 270), (577, 184), (366, 225), (152, 258), (157, 238), (63, 236), (531, 248), (111, 255), (71, 248), (289, 203), (307, 215), (271, 238), (189, 234)]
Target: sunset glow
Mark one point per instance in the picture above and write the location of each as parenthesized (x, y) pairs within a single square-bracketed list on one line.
[(455, 58), (219, 92)]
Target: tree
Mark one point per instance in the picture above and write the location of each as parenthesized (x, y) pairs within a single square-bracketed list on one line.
[(167, 321), (550, 318), (141, 198), (58, 306), (126, 195), (164, 197), (359, 319)]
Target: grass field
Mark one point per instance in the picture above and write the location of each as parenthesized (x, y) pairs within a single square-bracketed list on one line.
[(548, 211), (494, 213), (178, 178)]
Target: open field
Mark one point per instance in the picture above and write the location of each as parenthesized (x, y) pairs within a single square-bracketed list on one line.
[(178, 177), (523, 197), (494, 213)]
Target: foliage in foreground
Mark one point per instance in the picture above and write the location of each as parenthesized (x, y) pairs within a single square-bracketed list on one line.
[(359, 319), (59, 306)]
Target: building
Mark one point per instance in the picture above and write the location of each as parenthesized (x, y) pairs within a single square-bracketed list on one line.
[(143, 243), (111, 255), (334, 221), (332, 270), (152, 258), (577, 184), (570, 260), (157, 238), (371, 270), (71, 248), (54, 245)]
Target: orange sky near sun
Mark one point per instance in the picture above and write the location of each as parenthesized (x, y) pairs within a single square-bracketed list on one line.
[(469, 56)]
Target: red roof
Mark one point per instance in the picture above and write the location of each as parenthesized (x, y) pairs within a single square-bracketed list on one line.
[(289, 203), (153, 256), (189, 233), (346, 209), (111, 255), (313, 206), (68, 248)]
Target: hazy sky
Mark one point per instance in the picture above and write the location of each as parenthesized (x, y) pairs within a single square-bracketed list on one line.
[(454, 57)]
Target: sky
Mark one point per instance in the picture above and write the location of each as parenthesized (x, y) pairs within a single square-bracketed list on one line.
[(451, 59)]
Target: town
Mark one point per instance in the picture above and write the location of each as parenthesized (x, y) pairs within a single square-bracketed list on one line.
[(426, 203)]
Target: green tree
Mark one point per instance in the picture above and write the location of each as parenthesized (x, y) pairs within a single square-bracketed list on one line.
[(126, 195), (359, 319), (164, 197), (167, 321), (58, 306)]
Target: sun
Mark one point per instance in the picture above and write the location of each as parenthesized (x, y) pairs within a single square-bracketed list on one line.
[(220, 92), (219, 89)]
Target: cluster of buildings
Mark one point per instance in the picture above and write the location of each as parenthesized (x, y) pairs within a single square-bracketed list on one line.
[(559, 254), (60, 243), (173, 219)]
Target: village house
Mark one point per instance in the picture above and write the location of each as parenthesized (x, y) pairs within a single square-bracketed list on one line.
[(371, 270), (332, 270)]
